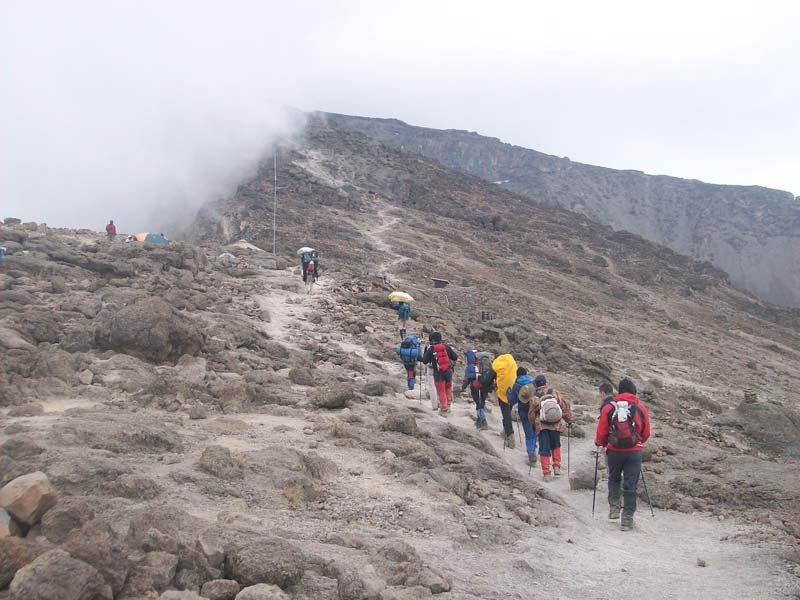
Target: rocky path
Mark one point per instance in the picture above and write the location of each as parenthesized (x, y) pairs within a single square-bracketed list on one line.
[(385, 224)]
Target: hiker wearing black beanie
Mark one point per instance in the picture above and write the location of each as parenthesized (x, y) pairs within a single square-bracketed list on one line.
[(623, 428)]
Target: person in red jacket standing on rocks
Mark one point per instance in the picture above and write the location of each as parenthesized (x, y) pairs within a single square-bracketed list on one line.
[(111, 230), (623, 428)]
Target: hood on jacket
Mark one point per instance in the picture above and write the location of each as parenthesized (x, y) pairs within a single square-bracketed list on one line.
[(524, 380), (625, 397), (505, 367)]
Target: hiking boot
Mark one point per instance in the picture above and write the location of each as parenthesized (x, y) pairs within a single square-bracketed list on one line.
[(532, 460), (510, 443), (627, 522), (613, 512), (547, 477), (556, 472)]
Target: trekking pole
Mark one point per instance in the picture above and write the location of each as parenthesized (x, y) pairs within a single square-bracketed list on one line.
[(594, 489), (569, 437), (646, 493)]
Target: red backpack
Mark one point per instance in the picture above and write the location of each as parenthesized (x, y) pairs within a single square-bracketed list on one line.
[(310, 268), (625, 420), (442, 359)]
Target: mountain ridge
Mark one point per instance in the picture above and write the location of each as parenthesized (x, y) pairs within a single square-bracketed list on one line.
[(750, 232)]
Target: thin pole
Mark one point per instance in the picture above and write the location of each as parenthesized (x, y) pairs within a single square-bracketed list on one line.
[(644, 481), (274, 198)]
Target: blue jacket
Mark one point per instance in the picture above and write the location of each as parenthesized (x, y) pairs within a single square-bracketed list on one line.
[(513, 395)]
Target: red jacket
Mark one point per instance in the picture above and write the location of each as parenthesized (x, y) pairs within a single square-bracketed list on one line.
[(111, 229), (603, 425)]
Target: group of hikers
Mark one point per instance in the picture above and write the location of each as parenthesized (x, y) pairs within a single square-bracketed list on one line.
[(623, 425)]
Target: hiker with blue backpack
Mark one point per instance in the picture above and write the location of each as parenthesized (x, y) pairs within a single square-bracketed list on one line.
[(409, 354), (477, 364), (521, 394)]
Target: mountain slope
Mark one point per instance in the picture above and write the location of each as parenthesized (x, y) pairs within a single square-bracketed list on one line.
[(752, 233)]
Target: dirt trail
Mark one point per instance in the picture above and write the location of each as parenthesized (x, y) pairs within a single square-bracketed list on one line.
[(385, 223)]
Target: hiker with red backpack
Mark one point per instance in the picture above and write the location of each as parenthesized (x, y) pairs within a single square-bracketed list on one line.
[(442, 357), (548, 412), (623, 428), (521, 394), (476, 365)]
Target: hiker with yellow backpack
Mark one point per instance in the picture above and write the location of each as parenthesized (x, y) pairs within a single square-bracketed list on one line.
[(505, 376), (548, 412)]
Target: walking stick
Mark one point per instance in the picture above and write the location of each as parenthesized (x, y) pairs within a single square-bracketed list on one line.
[(569, 437), (594, 489), (646, 493)]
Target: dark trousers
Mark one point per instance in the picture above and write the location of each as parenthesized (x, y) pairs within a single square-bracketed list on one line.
[(623, 476), (505, 409), (549, 440), (478, 396)]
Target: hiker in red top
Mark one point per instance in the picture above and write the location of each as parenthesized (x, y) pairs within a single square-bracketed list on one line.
[(623, 428), (111, 230), (442, 357)]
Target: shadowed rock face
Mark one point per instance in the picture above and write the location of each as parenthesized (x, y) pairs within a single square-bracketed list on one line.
[(750, 232)]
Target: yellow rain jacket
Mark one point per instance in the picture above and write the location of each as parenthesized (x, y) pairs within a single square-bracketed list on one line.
[(505, 368)]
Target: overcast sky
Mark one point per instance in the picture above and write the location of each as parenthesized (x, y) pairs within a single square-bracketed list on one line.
[(141, 111)]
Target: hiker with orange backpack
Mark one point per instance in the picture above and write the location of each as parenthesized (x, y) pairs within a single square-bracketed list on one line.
[(623, 428), (442, 357), (505, 374), (548, 412)]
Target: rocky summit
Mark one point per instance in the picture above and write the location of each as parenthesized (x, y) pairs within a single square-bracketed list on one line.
[(187, 422)]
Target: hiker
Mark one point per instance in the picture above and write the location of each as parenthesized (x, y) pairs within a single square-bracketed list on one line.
[(473, 380), (623, 428), (409, 354), (111, 230), (505, 375), (403, 313), (442, 357), (310, 276), (521, 394), (305, 259), (606, 392), (549, 409)]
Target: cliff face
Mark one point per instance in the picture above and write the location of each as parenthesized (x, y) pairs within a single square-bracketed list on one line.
[(752, 233)]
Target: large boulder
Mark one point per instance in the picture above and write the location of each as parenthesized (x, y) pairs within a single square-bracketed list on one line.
[(582, 478), (265, 560), (334, 397), (401, 422), (60, 520), (15, 553), (28, 498), (220, 589), (123, 372), (217, 461), (262, 591), (55, 574), (153, 573), (98, 545), (151, 329)]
